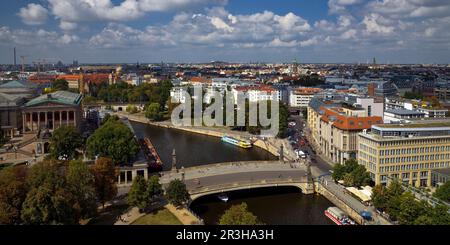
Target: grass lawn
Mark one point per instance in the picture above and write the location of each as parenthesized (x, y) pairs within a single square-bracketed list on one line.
[(158, 217)]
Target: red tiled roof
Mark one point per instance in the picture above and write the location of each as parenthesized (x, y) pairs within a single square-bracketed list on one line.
[(347, 122)]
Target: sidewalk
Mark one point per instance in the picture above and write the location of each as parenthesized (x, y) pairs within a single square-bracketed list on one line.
[(183, 215)]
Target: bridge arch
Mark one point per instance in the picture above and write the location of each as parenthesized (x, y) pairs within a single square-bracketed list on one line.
[(304, 187)]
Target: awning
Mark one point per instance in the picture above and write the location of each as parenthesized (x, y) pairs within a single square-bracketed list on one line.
[(361, 195)]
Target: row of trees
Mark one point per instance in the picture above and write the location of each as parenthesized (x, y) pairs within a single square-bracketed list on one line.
[(443, 192), (403, 207), (144, 193), (352, 173), (123, 92), (311, 80), (55, 192), (113, 139)]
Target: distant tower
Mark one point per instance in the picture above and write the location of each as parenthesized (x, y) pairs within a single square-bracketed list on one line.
[(15, 57), (174, 161), (374, 61)]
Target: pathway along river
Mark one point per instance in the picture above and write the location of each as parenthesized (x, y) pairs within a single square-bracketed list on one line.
[(278, 206)]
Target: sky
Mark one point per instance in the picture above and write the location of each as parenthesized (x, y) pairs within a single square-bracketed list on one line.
[(309, 31)]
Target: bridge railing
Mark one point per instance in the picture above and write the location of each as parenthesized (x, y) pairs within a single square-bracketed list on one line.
[(243, 184), (227, 164)]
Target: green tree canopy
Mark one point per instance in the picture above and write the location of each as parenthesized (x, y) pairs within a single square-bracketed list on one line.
[(137, 195), (49, 205), (239, 215), (60, 84), (380, 197), (154, 188), (114, 140), (13, 191), (352, 173), (80, 182), (105, 177), (153, 112), (177, 193), (64, 143), (443, 192)]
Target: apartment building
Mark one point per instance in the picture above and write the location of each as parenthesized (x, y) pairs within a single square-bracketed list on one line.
[(300, 97), (335, 126), (408, 152)]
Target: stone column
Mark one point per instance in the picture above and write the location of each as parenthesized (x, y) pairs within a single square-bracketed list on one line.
[(31, 120), (60, 118), (39, 121), (46, 119), (67, 118)]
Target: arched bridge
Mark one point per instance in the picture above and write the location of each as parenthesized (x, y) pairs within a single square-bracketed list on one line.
[(224, 177)]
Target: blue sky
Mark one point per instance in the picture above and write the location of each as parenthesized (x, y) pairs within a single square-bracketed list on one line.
[(322, 31)]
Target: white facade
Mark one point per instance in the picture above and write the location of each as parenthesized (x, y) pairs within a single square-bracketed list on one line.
[(373, 108), (177, 94), (299, 100)]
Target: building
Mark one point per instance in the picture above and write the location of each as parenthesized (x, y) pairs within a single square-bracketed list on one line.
[(401, 116), (257, 93), (443, 93), (335, 126), (50, 111), (409, 152), (301, 97), (385, 89), (24, 89), (440, 176), (11, 114)]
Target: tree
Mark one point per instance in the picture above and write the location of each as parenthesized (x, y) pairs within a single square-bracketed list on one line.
[(439, 215), (137, 195), (13, 191), (65, 142), (349, 179), (80, 182), (443, 192), (105, 177), (380, 197), (177, 193), (49, 205), (132, 109), (114, 140), (153, 112), (360, 176), (352, 173), (394, 191), (60, 84), (239, 215), (154, 188), (409, 209)]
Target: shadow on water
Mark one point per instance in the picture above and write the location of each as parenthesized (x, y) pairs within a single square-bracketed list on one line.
[(273, 206), (194, 149)]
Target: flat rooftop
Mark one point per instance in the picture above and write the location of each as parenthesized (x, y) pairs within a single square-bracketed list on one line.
[(416, 125)]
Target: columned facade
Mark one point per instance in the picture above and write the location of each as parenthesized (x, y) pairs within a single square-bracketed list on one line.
[(35, 119)]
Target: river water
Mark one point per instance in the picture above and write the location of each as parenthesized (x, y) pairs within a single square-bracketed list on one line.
[(277, 206)]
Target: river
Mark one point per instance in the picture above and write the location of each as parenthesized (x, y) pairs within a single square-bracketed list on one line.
[(278, 206)]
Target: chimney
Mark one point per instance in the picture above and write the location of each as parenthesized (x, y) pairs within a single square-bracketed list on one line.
[(15, 57)]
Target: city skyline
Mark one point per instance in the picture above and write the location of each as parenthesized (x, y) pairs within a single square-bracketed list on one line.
[(197, 31)]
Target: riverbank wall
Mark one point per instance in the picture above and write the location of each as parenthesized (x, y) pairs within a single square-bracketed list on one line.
[(320, 189)]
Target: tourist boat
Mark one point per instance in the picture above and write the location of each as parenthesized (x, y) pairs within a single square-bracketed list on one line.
[(238, 142), (338, 216), (154, 161), (223, 197)]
